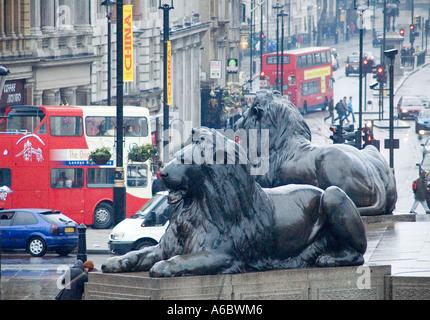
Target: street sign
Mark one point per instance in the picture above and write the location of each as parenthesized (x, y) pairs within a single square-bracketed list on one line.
[(387, 143), (264, 84), (232, 66)]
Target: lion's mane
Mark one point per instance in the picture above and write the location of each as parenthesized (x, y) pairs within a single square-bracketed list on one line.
[(363, 174), (226, 211)]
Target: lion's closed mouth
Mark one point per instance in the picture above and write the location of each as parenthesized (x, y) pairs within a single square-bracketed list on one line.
[(175, 196)]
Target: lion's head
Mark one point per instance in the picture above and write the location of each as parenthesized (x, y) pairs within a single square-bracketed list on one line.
[(282, 119), (211, 186)]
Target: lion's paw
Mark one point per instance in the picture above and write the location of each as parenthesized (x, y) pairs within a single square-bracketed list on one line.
[(162, 269), (116, 264)]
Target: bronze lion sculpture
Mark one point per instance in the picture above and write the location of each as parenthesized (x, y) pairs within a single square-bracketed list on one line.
[(363, 174), (222, 221)]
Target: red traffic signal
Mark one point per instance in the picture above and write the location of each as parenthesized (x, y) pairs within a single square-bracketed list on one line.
[(380, 70), (262, 75), (411, 27), (402, 32)]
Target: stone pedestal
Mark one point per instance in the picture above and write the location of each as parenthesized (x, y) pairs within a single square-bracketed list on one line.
[(346, 283)]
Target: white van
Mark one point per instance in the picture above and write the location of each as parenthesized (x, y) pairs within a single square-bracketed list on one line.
[(145, 228)]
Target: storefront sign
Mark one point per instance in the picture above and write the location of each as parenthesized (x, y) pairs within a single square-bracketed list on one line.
[(13, 93), (215, 69)]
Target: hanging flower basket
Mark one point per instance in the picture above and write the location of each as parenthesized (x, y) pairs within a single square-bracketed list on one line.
[(100, 156), (143, 153)]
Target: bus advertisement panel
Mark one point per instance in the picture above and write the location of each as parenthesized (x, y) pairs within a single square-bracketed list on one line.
[(44, 160), (307, 76)]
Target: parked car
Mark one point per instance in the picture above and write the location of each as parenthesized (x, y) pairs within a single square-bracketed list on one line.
[(422, 122), (145, 228), (409, 106), (38, 231), (351, 65)]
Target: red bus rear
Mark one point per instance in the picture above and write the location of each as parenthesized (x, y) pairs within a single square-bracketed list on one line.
[(44, 160), (307, 76)]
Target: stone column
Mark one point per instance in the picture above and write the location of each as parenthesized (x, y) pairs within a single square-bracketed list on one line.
[(83, 95), (68, 96), (37, 97), (35, 17), (48, 15), (65, 15), (48, 98), (82, 18)]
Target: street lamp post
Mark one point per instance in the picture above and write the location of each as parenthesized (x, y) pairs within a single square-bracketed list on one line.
[(277, 6), (282, 14), (166, 8), (391, 54), (109, 4), (119, 186), (361, 6)]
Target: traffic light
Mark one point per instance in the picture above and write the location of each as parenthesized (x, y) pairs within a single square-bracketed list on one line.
[(367, 66), (381, 73), (402, 32), (337, 135), (412, 33), (417, 21), (263, 41), (262, 75), (368, 133)]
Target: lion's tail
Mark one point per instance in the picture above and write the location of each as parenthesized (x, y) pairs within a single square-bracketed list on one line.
[(379, 202)]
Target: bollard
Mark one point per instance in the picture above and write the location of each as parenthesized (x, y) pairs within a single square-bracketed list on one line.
[(82, 243)]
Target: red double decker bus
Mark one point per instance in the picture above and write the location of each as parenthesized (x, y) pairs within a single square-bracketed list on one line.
[(307, 76), (44, 154)]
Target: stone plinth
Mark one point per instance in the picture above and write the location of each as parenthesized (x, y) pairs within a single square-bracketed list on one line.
[(347, 283)]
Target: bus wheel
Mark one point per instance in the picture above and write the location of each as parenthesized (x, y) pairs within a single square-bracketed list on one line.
[(103, 216)]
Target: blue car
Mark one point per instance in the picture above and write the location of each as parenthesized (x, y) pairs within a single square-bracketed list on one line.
[(422, 123), (37, 231)]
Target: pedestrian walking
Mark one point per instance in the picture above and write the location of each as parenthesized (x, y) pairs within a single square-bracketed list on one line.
[(341, 111), (350, 109), (345, 104), (420, 189), (330, 111)]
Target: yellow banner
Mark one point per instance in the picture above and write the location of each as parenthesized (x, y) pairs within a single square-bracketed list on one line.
[(169, 73), (128, 43)]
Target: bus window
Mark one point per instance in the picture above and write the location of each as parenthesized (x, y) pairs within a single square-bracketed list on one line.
[(137, 127), (100, 126), (318, 58), (5, 177), (311, 87), (66, 126), (100, 177), (24, 119), (67, 178), (137, 175)]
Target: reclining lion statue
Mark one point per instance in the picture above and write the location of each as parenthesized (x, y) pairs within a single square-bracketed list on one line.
[(363, 174), (222, 221)]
